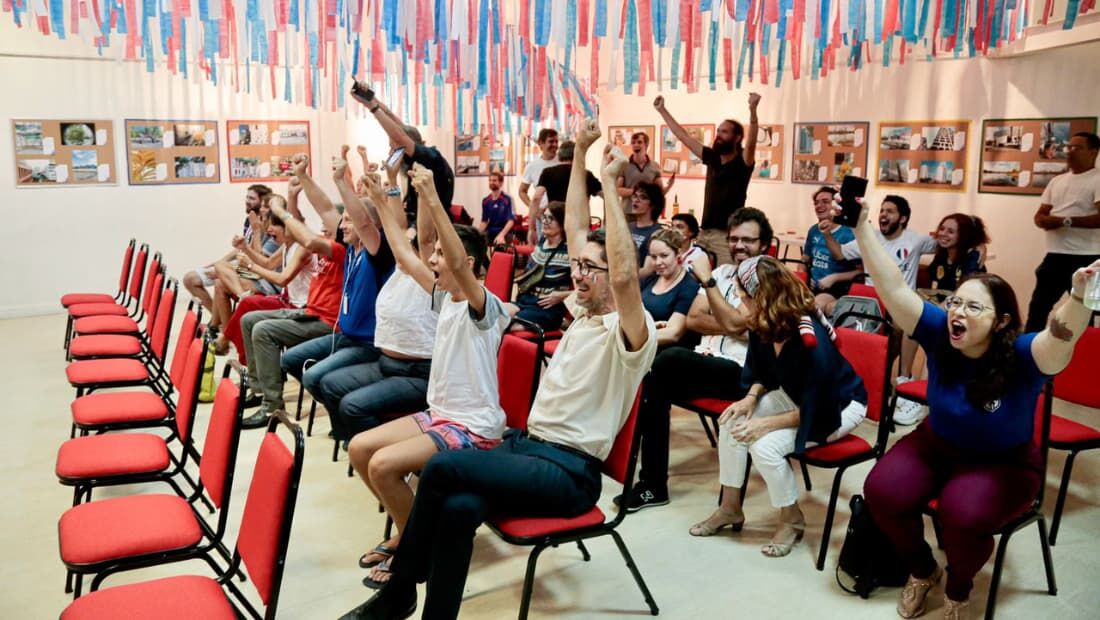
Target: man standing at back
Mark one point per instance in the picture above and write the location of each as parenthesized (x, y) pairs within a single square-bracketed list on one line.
[(729, 169), (1070, 213), (640, 168), (548, 156), (583, 401)]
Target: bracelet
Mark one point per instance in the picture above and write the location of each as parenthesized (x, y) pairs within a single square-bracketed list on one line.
[(1078, 298), (753, 395), (394, 192), (374, 109)]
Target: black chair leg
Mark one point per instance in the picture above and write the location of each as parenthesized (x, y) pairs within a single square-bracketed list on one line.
[(1067, 471), (584, 551), (298, 410), (706, 428), (829, 515), (1048, 562), (312, 413), (634, 571), (745, 482), (335, 449), (529, 582), (995, 581), (78, 587), (68, 582), (389, 527), (806, 476)]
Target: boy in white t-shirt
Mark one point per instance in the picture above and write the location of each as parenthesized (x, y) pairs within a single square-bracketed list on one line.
[(548, 157), (463, 399)]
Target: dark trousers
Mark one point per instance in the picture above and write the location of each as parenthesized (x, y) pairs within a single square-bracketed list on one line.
[(678, 374), (372, 393), (459, 489), (332, 352), (1053, 277), (977, 496)]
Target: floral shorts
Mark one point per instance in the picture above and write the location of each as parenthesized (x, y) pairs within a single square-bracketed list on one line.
[(449, 435)]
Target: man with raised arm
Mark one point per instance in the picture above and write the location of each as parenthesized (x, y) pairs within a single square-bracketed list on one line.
[(583, 400), (729, 169)]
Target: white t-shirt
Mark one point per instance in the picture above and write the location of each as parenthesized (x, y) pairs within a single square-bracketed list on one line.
[(586, 393), (405, 318), (297, 290), (462, 386), (531, 176), (906, 249), (726, 347), (1073, 195)]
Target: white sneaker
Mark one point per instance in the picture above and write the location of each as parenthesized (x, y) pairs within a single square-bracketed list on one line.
[(908, 412)]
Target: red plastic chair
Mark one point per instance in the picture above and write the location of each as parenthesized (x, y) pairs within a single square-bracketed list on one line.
[(915, 390), (94, 346), (542, 532), (99, 309), (133, 294), (124, 533), (261, 550), (518, 370), (112, 459), (501, 272), (865, 290), (119, 324), (802, 276), (120, 296), (1076, 384)]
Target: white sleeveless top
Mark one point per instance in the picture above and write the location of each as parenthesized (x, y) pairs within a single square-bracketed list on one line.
[(297, 290)]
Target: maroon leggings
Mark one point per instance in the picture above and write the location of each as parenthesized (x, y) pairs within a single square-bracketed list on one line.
[(978, 494), (232, 329)]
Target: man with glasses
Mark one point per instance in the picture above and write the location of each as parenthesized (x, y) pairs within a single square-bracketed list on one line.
[(713, 369), (830, 278), (584, 398)]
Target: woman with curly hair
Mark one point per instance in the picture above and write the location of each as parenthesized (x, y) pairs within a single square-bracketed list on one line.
[(976, 452), (960, 251), (802, 392)]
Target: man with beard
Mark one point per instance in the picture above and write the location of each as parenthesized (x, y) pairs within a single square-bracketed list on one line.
[(712, 370), (729, 168), (498, 216), (906, 247)]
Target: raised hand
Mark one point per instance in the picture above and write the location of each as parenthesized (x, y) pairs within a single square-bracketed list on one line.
[(294, 186), (659, 102), (700, 268), (615, 163), (1081, 278), (238, 242), (754, 100), (340, 165), (422, 179), (589, 133), (301, 164)]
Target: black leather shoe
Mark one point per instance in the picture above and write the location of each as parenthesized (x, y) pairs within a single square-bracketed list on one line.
[(389, 604), (253, 400), (256, 420)]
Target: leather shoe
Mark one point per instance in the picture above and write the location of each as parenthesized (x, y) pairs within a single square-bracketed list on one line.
[(389, 604), (256, 420)]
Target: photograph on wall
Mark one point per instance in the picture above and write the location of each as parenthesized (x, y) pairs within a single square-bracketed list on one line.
[(263, 150), (677, 157), (620, 135), (50, 153), (769, 153), (828, 152), (927, 154), (479, 155), (169, 151), (1020, 156)]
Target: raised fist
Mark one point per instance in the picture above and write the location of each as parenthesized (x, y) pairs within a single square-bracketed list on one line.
[(589, 133), (659, 102), (301, 164), (754, 98)]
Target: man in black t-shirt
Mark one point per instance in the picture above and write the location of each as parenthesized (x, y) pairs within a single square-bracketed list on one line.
[(554, 181), (729, 168)]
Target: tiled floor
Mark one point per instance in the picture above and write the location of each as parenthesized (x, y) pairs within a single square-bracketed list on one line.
[(336, 520)]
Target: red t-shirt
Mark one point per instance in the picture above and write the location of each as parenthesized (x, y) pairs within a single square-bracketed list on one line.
[(327, 286)]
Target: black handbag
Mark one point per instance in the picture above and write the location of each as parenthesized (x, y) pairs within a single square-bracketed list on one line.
[(868, 559)]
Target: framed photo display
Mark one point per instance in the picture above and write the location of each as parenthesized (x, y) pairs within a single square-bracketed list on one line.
[(825, 153), (923, 154), (677, 157), (480, 155), (50, 152), (164, 152), (769, 153), (619, 136), (1021, 155), (261, 151)]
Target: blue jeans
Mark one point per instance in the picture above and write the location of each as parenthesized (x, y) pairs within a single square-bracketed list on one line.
[(369, 394), (332, 352)]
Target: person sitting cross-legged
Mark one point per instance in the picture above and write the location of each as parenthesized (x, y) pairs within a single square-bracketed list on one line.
[(585, 396)]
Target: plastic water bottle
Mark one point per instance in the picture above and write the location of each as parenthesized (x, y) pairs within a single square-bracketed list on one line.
[(1092, 292)]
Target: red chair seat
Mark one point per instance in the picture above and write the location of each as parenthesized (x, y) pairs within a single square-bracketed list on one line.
[(87, 372), (555, 334), (105, 325), (525, 250), (535, 527), (171, 598), (113, 454), (118, 407), (1063, 431), (105, 345), (551, 346), (125, 527), (86, 298), (914, 390), (83, 310), (846, 447), (710, 405)]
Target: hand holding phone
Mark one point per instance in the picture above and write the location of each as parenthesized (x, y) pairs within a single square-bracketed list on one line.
[(362, 93), (852, 188), (395, 157)]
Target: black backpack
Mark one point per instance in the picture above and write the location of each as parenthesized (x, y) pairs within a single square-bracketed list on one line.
[(867, 559)]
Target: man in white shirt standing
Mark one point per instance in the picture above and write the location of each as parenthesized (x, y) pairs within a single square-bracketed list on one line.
[(584, 398), (906, 247), (548, 157), (1070, 213)]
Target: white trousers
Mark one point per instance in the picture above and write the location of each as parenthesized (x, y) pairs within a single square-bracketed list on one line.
[(769, 453)]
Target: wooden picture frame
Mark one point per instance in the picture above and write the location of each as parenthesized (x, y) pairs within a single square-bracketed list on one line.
[(63, 152), (928, 155), (823, 153), (677, 157), (171, 152), (1019, 156), (770, 143), (479, 155), (261, 151)]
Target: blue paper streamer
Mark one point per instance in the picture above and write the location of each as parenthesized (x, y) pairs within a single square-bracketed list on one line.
[(741, 10), (482, 49), (57, 17), (600, 27), (712, 54), (674, 67)]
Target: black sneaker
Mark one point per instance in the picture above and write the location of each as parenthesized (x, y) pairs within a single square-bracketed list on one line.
[(388, 604), (256, 420), (642, 497)]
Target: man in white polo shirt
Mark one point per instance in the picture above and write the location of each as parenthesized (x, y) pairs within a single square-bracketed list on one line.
[(548, 157), (1070, 213), (583, 400)]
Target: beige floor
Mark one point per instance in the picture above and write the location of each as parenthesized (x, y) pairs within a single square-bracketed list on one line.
[(721, 577)]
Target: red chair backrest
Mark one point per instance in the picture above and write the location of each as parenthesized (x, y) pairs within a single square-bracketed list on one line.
[(189, 330), (517, 373), (617, 463), (127, 261), (498, 279), (870, 356), (802, 276), (773, 249), (189, 390), (152, 292), (137, 274), (162, 319), (1079, 383), (268, 513), (219, 450)]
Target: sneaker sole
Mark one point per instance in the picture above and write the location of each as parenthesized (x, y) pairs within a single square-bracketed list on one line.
[(633, 509)]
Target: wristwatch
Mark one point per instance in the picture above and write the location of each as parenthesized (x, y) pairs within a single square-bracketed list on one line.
[(1068, 222), (710, 283)]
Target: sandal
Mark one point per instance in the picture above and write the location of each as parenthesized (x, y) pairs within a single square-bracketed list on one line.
[(955, 610), (382, 568), (382, 550), (914, 595), (707, 528), (777, 550)]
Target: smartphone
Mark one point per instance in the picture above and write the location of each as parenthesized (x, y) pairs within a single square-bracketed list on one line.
[(853, 187), (361, 92), (395, 157)]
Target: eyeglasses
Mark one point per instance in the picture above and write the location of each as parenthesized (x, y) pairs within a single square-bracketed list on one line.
[(584, 268), (970, 308), (546, 218), (743, 240)]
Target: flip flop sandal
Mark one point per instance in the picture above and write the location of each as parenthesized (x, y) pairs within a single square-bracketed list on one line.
[(382, 550), (374, 584)]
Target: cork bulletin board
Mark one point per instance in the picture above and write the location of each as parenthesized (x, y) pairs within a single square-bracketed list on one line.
[(1021, 155), (825, 153), (923, 154), (677, 157), (769, 153), (261, 151), (480, 155), (50, 152), (167, 152)]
